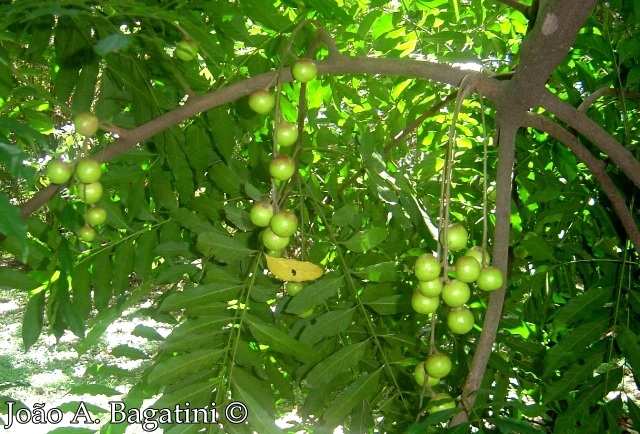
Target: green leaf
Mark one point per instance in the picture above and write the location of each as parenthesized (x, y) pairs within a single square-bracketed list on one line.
[(112, 44), (11, 222), (315, 294), (634, 412), (381, 272), (579, 307), (175, 368), (223, 137), (223, 247), (366, 240), (363, 387), (328, 324), (628, 343), (573, 345), (509, 425), (12, 157), (33, 319), (174, 273), (571, 379), (201, 296), (94, 389), (14, 279), (337, 363), (191, 221), (258, 418), (128, 352), (147, 332), (268, 334), (101, 279), (197, 395)]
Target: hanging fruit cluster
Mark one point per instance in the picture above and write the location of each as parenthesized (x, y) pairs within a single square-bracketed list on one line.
[(86, 183), (281, 224)]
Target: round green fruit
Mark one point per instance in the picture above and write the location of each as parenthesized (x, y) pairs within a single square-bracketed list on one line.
[(419, 374), (275, 253), (282, 167), (457, 237), (425, 305), (520, 252), (467, 269), (490, 279), (186, 50), (439, 402), (304, 70), (293, 288), (261, 213), (455, 293), (272, 241), (59, 172), (89, 193), (96, 216), (88, 170), (430, 288), (86, 124), (427, 267), (460, 320), (262, 101), (87, 234), (478, 253), (286, 134), (284, 223), (438, 365)]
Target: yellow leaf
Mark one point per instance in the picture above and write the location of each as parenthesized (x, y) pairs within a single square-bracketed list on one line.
[(292, 270)]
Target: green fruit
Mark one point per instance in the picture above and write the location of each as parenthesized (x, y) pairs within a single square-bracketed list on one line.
[(304, 70), (262, 101), (306, 314), (89, 193), (284, 223), (478, 253), (430, 288), (261, 213), (427, 267), (490, 279), (286, 134), (272, 241), (86, 124), (457, 237), (460, 320), (96, 216), (520, 252), (59, 172), (275, 253), (186, 50), (440, 402), (438, 365), (456, 293), (293, 288), (87, 234), (88, 170), (282, 167), (419, 374), (425, 305), (467, 269)]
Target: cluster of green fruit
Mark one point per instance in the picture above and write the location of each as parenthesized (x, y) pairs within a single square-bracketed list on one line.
[(434, 368), (186, 50), (87, 172), (471, 267), (279, 226), (282, 167)]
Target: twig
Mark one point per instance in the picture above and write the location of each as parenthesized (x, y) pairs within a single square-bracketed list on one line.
[(520, 7)]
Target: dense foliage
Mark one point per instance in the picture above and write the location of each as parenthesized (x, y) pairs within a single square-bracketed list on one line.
[(185, 158)]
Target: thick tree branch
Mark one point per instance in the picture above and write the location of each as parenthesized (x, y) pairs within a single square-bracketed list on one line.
[(621, 156), (597, 168)]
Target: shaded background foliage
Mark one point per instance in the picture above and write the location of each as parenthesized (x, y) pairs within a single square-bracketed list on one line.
[(178, 209)]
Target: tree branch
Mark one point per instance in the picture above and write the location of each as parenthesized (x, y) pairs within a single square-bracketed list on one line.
[(621, 156), (514, 4), (597, 168)]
